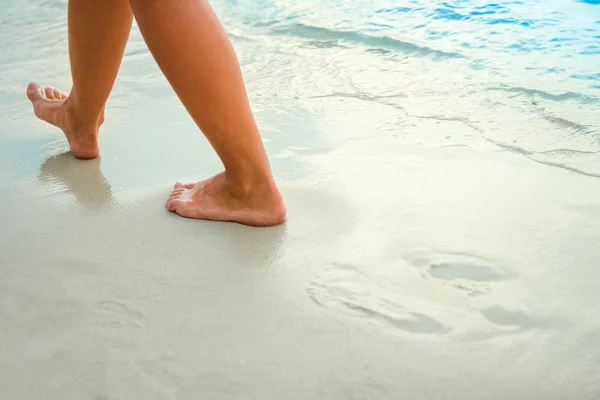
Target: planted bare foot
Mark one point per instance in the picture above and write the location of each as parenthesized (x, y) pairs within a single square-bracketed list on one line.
[(218, 200), (52, 105)]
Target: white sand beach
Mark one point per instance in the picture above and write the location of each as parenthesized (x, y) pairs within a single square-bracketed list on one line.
[(435, 247)]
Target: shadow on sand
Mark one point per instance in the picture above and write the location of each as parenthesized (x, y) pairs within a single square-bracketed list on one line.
[(82, 178)]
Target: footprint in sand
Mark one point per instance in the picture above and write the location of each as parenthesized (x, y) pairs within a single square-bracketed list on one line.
[(473, 274), (471, 308), (346, 288), (478, 277), (507, 318)]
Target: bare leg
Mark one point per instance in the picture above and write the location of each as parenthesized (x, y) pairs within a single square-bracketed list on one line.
[(98, 32), (194, 52)]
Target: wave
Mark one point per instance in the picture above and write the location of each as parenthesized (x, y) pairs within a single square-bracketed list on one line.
[(570, 125), (373, 42), (567, 96), (552, 157)]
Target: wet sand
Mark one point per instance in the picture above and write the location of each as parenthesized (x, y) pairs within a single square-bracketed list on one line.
[(423, 258), (402, 272)]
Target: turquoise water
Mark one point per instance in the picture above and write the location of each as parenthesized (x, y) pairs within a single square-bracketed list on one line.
[(514, 42), (440, 163), (522, 73)]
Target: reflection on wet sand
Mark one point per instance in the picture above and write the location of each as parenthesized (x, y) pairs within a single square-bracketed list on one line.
[(82, 178)]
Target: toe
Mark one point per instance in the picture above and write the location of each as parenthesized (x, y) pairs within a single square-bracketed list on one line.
[(34, 92), (179, 185), (49, 90), (175, 196), (173, 203), (59, 95), (48, 109), (176, 193)]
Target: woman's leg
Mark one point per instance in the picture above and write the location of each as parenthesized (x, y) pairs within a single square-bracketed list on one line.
[(98, 33), (195, 54)]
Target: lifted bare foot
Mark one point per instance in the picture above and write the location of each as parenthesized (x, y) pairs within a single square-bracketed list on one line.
[(50, 105), (216, 199)]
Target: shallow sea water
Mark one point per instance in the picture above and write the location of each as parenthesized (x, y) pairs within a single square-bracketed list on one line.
[(441, 165)]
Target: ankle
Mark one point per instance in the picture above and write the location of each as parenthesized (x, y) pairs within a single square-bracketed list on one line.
[(81, 117), (248, 186)]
